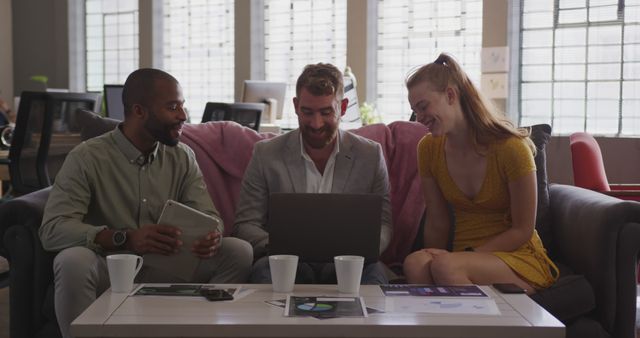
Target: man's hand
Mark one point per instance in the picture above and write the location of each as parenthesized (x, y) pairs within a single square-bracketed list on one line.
[(154, 238), (208, 245)]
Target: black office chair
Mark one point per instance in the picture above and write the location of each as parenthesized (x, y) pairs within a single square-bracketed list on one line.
[(216, 111), (46, 130), (246, 114)]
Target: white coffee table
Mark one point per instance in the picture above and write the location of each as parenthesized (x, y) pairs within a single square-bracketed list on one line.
[(118, 315)]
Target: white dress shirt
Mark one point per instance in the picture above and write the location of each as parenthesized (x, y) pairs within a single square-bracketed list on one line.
[(317, 182)]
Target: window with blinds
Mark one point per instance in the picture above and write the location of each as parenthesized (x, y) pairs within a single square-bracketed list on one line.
[(111, 40), (199, 51), (412, 33), (300, 32), (580, 65)]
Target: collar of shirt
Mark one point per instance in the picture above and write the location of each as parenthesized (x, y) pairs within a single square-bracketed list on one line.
[(332, 157), (130, 151), (317, 182)]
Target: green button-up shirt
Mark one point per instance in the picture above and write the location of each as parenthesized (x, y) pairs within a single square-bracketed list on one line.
[(107, 182)]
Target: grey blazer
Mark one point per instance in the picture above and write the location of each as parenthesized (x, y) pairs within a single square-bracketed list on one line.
[(277, 166)]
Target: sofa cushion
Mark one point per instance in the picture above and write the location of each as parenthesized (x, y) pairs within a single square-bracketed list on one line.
[(569, 298), (540, 135), (223, 150), (92, 124)]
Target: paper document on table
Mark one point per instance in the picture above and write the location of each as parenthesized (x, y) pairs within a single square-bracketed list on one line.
[(442, 305), (194, 225), (432, 290), (324, 307)]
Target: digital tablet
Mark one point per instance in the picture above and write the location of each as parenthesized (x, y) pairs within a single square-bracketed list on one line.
[(194, 225)]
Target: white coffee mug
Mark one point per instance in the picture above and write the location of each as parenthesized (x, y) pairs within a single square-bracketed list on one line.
[(123, 269), (283, 272), (349, 273)]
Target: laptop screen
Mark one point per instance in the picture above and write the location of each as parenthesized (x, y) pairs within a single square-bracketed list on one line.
[(317, 227)]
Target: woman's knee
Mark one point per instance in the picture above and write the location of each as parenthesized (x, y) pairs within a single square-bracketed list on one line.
[(443, 267), (415, 261)]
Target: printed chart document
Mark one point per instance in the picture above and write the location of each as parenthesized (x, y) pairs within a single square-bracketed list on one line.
[(432, 290), (444, 299), (194, 225), (175, 289), (442, 305), (282, 303), (324, 307), (169, 290)]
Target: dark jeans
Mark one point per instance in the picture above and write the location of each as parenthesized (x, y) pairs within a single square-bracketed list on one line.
[(317, 273)]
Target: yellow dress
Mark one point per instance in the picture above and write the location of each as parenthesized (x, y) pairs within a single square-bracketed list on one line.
[(488, 213)]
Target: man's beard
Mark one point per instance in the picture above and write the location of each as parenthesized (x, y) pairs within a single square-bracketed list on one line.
[(161, 132), (318, 143)]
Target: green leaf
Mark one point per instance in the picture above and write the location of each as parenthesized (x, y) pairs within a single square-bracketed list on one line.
[(40, 78)]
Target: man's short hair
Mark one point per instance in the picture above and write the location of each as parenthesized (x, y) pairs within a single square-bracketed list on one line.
[(321, 79), (139, 88)]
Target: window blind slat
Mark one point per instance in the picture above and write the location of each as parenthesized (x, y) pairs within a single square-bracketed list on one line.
[(301, 32), (586, 63), (412, 33), (199, 51), (111, 41)]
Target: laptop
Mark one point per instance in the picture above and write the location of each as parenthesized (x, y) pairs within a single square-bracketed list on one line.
[(317, 227)]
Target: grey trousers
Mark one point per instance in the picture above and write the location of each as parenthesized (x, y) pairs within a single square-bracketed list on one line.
[(80, 276)]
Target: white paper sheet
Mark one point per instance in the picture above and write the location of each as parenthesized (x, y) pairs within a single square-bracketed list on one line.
[(442, 305)]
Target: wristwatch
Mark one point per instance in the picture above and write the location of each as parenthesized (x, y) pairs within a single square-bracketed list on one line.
[(119, 238)]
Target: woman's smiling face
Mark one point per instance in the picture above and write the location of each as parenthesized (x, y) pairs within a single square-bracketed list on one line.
[(433, 108)]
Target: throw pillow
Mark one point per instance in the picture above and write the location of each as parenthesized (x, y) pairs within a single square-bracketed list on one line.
[(92, 124), (540, 135)]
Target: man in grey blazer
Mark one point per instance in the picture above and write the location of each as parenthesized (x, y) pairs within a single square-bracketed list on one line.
[(315, 158)]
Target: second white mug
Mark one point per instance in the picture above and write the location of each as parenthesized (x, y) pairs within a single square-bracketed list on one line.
[(349, 273), (283, 272), (123, 269)]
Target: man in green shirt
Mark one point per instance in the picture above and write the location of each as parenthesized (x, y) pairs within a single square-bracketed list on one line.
[(111, 190)]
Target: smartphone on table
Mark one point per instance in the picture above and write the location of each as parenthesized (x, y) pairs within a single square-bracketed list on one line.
[(216, 294)]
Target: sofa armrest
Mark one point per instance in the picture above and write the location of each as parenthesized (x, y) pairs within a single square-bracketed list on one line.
[(25, 210), (599, 237), (31, 272)]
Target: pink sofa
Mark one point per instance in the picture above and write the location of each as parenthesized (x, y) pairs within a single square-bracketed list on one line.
[(223, 151)]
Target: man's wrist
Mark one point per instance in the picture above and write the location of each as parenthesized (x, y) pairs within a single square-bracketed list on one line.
[(127, 243), (119, 238), (103, 239), (107, 239)]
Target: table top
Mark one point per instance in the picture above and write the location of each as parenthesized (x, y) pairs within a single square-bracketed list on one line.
[(120, 315)]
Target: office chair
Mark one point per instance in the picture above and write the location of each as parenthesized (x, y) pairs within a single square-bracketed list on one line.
[(589, 172), (245, 114), (215, 111), (44, 134)]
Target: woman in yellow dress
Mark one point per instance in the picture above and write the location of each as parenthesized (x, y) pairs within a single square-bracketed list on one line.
[(478, 175)]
